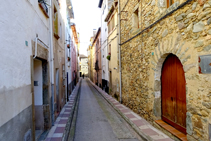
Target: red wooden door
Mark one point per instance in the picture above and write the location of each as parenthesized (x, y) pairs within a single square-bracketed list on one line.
[(174, 93)]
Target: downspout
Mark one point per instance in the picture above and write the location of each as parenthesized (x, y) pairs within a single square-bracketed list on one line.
[(65, 65), (51, 59), (32, 88), (119, 42)]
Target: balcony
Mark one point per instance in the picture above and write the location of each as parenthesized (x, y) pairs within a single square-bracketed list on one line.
[(43, 6)]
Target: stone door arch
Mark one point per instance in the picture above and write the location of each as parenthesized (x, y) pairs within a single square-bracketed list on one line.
[(173, 93)]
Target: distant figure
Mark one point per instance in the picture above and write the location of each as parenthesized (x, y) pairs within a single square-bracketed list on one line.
[(74, 78), (83, 76)]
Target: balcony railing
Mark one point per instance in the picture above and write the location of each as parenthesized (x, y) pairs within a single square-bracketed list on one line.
[(43, 6)]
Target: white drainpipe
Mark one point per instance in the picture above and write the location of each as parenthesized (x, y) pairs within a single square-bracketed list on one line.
[(51, 57)]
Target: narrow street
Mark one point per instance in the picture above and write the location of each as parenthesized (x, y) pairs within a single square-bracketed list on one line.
[(98, 121)]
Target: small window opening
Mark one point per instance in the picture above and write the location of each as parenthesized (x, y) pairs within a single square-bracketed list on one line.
[(169, 3), (136, 19)]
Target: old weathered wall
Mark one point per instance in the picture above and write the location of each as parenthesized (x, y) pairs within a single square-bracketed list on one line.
[(185, 33), (59, 53)]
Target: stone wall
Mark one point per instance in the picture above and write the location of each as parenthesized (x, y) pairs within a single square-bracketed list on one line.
[(184, 30)]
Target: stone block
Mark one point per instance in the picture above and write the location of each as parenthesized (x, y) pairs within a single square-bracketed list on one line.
[(191, 15), (199, 43), (194, 5), (207, 48), (189, 126), (201, 2), (157, 85), (181, 25), (198, 27), (165, 33)]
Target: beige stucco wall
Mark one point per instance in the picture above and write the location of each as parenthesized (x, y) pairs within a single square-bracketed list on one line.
[(114, 59), (185, 33)]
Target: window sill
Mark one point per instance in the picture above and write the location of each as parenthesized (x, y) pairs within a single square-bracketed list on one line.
[(56, 36), (172, 130), (43, 10)]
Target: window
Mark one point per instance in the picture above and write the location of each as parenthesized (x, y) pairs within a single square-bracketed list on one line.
[(109, 49), (60, 31), (55, 29), (111, 24), (135, 19), (43, 6), (169, 3)]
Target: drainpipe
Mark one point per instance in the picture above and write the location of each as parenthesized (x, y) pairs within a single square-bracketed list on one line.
[(119, 41), (51, 59)]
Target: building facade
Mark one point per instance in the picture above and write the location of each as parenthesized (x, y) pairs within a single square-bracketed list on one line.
[(165, 51), (59, 11), (18, 102), (91, 60), (97, 58), (83, 65), (32, 87), (104, 5), (113, 51), (74, 55), (69, 43)]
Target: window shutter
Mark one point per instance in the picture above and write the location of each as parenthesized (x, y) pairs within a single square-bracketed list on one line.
[(56, 23)]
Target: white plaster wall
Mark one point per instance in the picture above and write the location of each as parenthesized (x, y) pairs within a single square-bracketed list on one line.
[(104, 35), (38, 95), (68, 52), (20, 21)]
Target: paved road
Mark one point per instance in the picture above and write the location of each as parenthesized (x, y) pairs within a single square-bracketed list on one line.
[(98, 121)]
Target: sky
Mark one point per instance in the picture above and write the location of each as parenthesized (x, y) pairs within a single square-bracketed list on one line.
[(86, 17)]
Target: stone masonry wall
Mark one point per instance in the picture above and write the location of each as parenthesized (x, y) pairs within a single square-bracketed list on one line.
[(185, 33)]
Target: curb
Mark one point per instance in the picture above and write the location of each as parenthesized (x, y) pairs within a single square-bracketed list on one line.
[(137, 129), (60, 130), (71, 122), (71, 134)]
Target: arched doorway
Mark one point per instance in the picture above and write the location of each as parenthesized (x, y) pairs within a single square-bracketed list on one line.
[(173, 87)]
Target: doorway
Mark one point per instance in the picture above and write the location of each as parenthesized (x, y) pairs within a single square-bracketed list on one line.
[(57, 90), (41, 96), (38, 96), (110, 82), (173, 88)]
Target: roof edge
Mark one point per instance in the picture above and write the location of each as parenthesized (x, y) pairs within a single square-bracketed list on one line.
[(95, 38)]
